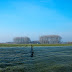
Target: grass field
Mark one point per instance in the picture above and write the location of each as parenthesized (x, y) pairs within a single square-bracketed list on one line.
[(24, 45), (46, 59)]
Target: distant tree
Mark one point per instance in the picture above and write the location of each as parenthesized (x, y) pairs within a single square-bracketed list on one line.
[(27, 40), (50, 39), (21, 40)]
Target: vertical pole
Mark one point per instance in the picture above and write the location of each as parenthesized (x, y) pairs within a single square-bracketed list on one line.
[(32, 52)]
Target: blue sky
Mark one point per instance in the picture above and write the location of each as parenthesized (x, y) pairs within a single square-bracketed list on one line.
[(34, 18)]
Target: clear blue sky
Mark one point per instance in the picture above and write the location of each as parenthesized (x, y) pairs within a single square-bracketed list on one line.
[(34, 18)]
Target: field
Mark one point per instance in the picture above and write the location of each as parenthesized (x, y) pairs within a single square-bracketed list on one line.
[(46, 59), (25, 45)]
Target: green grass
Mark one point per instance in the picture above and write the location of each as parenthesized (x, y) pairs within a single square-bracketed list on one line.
[(40, 67), (23, 45), (46, 59)]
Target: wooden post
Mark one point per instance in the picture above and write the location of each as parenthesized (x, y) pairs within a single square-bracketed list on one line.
[(32, 52)]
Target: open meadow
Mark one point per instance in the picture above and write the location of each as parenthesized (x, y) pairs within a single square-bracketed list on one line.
[(45, 59), (25, 45)]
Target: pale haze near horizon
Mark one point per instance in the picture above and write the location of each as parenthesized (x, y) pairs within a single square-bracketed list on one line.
[(34, 18)]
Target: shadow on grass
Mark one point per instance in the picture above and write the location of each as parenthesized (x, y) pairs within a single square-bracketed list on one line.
[(38, 68)]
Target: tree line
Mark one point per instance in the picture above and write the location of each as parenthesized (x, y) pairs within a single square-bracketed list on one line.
[(47, 39)]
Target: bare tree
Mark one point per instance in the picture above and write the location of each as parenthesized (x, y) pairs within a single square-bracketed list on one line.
[(27, 40), (21, 40), (50, 39)]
